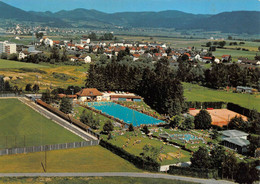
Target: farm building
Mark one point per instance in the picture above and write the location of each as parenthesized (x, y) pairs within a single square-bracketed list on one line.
[(89, 94), (236, 140), (243, 89)]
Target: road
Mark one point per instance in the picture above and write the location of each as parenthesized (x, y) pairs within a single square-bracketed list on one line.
[(67, 125), (121, 174)]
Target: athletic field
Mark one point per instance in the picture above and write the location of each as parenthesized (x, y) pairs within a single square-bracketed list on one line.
[(21, 126)]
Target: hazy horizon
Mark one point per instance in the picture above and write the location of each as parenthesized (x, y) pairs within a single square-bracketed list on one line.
[(112, 6)]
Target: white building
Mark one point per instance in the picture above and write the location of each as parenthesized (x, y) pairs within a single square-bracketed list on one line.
[(9, 48), (87, 59)]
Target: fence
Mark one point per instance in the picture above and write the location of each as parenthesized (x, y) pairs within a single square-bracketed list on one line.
[(33, 149), (11, 95)]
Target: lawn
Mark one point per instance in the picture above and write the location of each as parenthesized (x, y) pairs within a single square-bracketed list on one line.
[(21, 126), (90, 180), (16, 64), (194, 92), (235, 54), (129, 141), (86, 159)]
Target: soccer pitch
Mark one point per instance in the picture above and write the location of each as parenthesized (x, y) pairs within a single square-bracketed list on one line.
[(21, 126)]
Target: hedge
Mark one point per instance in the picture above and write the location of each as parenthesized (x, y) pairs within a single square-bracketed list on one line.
[(205, 105), (139, 162), (241, 110), (194, 172)]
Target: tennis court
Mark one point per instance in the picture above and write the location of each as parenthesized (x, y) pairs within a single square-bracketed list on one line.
[(220, 117)]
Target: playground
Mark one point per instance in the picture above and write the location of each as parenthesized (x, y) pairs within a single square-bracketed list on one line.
[(220, 117)]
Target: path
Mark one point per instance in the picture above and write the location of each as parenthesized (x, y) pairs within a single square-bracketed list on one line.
[(120, 174), (65, 124)]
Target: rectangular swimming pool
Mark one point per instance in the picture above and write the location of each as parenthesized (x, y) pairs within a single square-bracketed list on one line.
[(123, 113)]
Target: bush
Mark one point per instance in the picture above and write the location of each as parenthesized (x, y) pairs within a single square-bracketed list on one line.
[(62, 76), (205, 105)]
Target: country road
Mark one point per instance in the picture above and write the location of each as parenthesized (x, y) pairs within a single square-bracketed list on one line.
[(120, 174)]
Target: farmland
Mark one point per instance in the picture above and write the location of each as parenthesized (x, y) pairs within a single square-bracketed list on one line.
[(20, 126), (87, 159), (193, 92)]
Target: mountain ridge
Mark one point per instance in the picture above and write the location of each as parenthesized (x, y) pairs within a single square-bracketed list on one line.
[(228, 22)]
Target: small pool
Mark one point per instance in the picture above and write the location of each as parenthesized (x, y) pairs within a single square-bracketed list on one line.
[(186, 137), (124, 113)]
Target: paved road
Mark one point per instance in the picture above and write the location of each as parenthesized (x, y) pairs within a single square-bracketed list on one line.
[(122, 174), (84, 135)]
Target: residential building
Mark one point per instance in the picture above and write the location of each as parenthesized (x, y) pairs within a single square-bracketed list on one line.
[(89, 94)]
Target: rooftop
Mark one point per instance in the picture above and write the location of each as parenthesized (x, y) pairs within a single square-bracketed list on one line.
[(234, 133), (237, 141)]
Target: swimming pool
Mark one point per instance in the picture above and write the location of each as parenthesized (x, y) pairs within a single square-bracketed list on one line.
[(124, 113), (186, 137)]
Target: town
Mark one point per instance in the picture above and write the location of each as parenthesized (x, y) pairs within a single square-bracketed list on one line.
[(105, 105)]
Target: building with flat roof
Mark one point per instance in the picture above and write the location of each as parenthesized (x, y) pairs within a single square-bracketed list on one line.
[(236, 140)]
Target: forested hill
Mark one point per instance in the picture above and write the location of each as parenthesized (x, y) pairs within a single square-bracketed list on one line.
[(231, 22)]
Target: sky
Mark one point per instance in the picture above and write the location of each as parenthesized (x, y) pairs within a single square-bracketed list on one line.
[(111, 6)]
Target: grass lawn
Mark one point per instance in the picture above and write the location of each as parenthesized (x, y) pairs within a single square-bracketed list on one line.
[(86, 159), (22, 126), (16, 64), (194, 92), (168, 153), (89, 180), (235, 54)]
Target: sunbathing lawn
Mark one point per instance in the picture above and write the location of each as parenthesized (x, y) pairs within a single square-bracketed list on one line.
[(168, 153), (86, 159), (21, 126)]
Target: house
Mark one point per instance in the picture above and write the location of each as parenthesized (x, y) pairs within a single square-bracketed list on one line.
[(251, 62), (226, 58), (236, 140), (244, 89), (87, 59), (89, 94), (22, 55), (74, 58)]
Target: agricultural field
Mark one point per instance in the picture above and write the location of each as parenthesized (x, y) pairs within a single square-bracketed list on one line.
[(21, 126), (89, 180), (86, 159), (194, 92), (133, 142), (45, 75)]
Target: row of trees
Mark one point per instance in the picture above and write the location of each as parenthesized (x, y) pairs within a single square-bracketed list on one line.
[(219, 76), (226, 164), (155, 82), (94, 37)]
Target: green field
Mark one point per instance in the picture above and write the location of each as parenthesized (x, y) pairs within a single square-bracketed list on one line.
[(21, 126), (194, 92), (168, 154), (16, 64), (87, 159), (89, 180)]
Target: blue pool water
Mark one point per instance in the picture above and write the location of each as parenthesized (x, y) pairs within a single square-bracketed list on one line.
[(124, 113), (186, 137)]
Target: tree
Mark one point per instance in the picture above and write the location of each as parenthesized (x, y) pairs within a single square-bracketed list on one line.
[(28, 87), (64, 56), (215, 134), (131, 128), (36, 88), (238, 123), (150, 152), (201, 159), (66, 105), (13, 57), (2, 82), (202, 120), (4, 55), (176, 122), (46, 96), (108, 127), (229, 166), (188, 123), (145, 130), (208, 44), (88, 119), (7, 86), (55, 54), (39, 35), (217, 157)]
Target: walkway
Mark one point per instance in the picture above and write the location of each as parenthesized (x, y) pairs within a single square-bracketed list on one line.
[(120, 174), (67, 125)]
